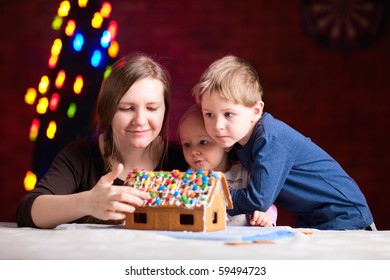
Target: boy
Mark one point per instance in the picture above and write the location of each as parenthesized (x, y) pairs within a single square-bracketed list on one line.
[(201, 152), (284, 165)]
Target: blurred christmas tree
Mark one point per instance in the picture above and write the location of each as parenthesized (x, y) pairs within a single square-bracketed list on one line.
[(65, 97)]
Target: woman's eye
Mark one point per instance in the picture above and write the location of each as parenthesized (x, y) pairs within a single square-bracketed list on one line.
[(125, 108), (152, 108), (204, 142)]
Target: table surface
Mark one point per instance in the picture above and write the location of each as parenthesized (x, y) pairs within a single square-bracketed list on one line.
[(98, 242)]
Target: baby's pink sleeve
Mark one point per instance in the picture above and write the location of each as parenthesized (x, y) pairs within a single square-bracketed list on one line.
[(273, 213)]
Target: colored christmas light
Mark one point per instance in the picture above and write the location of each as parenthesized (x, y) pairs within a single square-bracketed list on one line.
[(113, 29), (107, 72), (106, 39), (54, 100), (29, 181), (60, 79), (56, 23), (113, 49), (105, 11), (78, 42), (51, 130), (78, 84), (97, 20), (34, 129), (70, 28), (82, 3), (30, 96), (71, 110), (64, 100), (53, 61), (42, 105), (96, 58), (57, 46), (43, 84), (64, 8)]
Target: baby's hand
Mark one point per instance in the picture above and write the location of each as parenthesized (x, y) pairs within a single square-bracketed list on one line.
[(260, 218)]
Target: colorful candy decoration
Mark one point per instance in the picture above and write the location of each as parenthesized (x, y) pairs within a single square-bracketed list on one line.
[(175, 188)]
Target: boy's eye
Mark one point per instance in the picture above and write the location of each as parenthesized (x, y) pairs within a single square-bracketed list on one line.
[(228, 114), (208, 115), (203, 142)]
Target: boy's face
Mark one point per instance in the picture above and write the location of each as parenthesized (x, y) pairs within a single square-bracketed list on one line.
[(200, 150), (227, 122)]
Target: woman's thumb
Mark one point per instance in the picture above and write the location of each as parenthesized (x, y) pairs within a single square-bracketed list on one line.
[(113, 174)]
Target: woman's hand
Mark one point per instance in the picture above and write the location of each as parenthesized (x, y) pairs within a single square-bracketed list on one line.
[(110, 202)]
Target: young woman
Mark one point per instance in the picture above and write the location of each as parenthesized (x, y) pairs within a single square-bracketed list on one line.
[(85, 180)]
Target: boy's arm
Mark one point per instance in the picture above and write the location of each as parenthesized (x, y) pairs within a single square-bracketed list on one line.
[(270, 163)]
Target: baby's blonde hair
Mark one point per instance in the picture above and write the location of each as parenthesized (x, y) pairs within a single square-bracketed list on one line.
[(193, 110), (233, 78)]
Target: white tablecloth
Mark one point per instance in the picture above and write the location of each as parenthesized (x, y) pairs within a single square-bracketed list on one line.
[(102, 242)]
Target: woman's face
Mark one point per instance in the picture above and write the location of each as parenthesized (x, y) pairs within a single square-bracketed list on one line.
[(140, 114)]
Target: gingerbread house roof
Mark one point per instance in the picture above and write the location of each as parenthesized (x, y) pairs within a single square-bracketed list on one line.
[(189, 189)]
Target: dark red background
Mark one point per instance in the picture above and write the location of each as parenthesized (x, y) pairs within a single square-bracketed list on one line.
[(338, 98)]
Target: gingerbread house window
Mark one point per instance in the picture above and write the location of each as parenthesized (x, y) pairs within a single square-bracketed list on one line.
[(186, 219), (140, 218), (215, 217)]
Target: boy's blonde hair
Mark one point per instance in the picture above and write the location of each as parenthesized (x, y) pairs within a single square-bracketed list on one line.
[(233, 78)]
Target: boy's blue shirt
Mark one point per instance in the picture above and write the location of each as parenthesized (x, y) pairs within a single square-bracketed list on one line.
[(289, 169)]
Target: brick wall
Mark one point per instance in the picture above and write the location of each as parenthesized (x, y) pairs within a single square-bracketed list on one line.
[(338, 98)]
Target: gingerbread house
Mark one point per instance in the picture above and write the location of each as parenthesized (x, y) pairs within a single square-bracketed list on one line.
[(180, 201)]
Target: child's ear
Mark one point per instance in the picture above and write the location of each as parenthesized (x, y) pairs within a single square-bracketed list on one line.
[(258, 110)]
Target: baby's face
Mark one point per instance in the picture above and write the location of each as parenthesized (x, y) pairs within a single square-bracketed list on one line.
[(200, 150)]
